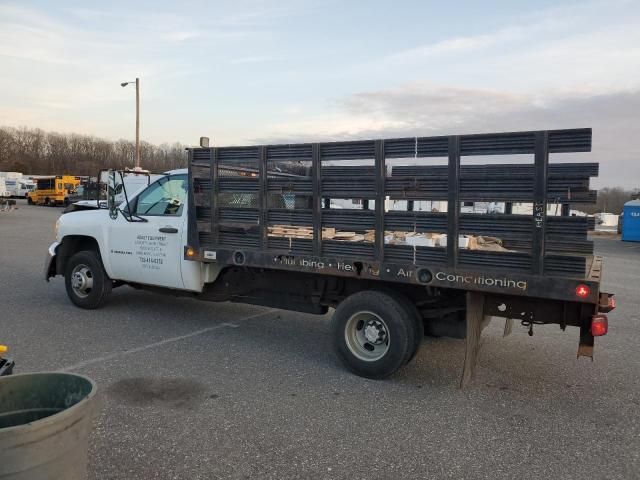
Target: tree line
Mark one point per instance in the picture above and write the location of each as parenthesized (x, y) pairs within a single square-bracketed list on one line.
[(610, 200), (33, 151)]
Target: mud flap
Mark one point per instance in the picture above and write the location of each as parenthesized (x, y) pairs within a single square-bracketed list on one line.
[(508, 327), (585, 347), (476, 322)]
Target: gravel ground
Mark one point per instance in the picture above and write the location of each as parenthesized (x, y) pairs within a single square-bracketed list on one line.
[(192, 390)]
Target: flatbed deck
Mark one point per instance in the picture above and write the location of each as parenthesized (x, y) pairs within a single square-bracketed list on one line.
[(247, 203)]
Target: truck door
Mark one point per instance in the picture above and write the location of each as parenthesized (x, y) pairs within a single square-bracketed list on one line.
[(151, 252)]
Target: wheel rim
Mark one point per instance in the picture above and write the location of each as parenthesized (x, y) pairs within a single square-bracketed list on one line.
[(367, 336), (82, 280)]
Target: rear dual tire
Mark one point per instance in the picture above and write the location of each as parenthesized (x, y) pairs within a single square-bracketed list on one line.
[(375, 333)]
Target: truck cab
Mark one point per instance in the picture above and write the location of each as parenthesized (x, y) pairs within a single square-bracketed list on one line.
[(144, 244)]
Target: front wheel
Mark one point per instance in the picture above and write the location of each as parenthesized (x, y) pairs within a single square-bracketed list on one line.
[(373, 333), (29, 200), (86, 281)]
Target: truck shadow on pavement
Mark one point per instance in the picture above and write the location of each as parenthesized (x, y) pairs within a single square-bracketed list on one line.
[(295, 341)]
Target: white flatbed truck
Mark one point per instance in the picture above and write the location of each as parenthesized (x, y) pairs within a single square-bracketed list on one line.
[(214, 232)]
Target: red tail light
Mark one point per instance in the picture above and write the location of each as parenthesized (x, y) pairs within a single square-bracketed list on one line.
[(582, 291), (607, 302), (599, 325)]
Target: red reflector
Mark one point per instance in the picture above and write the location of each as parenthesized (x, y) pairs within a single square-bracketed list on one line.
[(599, 325), (582, 291)]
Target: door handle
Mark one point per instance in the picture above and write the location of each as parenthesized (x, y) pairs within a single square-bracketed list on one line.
[(168, 230)]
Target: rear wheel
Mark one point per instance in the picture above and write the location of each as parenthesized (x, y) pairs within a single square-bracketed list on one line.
[(86, 281), (373, 333), (412, 312)]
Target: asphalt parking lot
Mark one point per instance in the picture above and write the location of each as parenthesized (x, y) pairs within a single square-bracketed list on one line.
[(193, 390)]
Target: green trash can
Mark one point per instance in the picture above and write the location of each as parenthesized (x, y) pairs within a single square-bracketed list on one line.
[(45, 420)]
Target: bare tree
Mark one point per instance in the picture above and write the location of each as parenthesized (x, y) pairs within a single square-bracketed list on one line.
[(33, 151)]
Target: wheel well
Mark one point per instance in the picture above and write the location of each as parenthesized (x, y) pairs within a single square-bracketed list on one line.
[(70, 245)]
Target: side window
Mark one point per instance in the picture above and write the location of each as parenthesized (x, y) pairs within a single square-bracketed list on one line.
[(164, 197)]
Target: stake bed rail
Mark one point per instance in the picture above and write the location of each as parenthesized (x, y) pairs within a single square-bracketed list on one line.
[(239, 195)]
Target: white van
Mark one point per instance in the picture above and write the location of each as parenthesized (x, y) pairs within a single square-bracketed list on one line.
[(23, 187), (3, 188)]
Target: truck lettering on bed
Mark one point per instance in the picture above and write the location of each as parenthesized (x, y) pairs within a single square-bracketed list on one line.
[(504, 282)]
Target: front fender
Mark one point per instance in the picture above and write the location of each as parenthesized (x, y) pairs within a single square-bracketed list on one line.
[(84, 230), (50, 261)]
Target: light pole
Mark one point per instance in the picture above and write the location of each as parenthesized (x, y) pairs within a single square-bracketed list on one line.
[(137, 82)]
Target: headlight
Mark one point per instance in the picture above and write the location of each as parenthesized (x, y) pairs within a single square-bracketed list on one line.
[(57, 229)]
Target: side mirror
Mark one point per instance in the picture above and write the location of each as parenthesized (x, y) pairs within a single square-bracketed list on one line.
[(111, 194)]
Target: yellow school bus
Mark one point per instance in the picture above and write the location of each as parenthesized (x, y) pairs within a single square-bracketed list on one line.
[(54, 190)]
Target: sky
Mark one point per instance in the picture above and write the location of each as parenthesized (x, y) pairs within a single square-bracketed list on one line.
[(249, 71)]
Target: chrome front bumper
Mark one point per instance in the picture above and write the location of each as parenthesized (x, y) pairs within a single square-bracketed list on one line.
[(50, 262)]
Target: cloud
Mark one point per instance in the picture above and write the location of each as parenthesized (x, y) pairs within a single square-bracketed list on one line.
[(537, 28), (573, 65), (588, 45), (181, 36), (456, 45), (427, 107), (430, 110), (252, 59), (88, 13), (563, 67)]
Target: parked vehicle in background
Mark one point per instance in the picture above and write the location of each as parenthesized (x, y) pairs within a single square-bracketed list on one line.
[(25, 187), (87, 190), (19, 188), (620, 220), (3, 188), (607, 220), (11, 183), (13, 186), (132, 181), (90, 195), (54, 190)]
